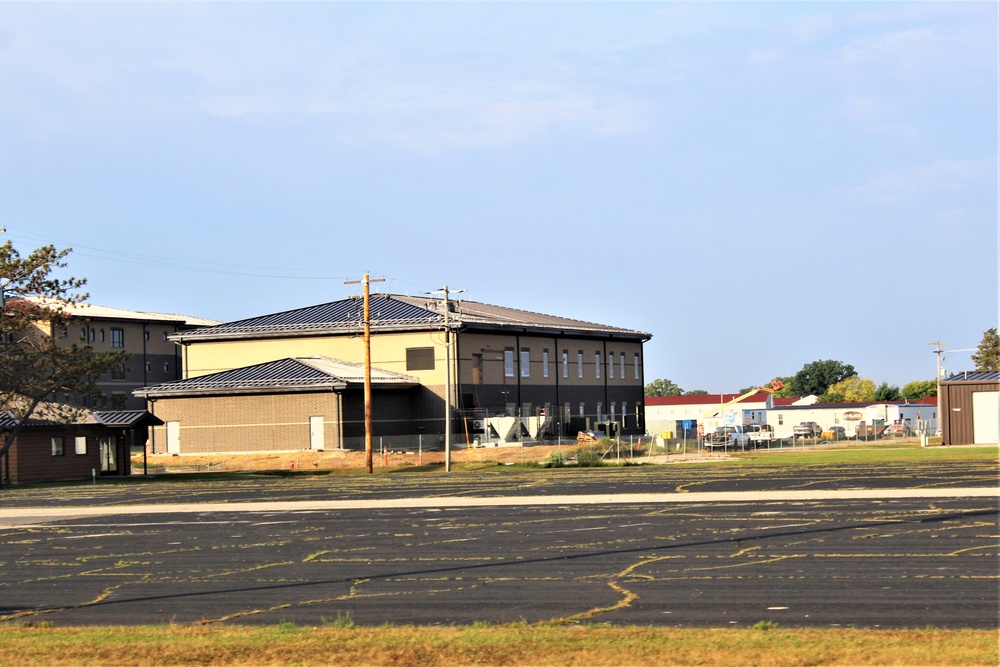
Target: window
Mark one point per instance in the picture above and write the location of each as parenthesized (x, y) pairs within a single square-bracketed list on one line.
[(611, 365), (635, 365), (93, 335), (118, 372), (102, 335), (582, 410), (622, 357), (149, 366), (117, 338), (612, 416), (477, 368), (600, 407), (420, 358), (118, 400), (165, 334), (579, 364), (525, 362), (781, 419), (166, 366), (508, 362), (597, 365), (145, 334), (80, 444), (83, 333), (545, 363), (565, 363), (57, 446), (624, 412)]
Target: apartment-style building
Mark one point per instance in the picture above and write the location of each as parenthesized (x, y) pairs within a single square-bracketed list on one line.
[(513, 374)]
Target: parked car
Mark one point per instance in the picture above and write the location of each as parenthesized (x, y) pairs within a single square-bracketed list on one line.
[(728, 437), (835, 433), (807, 430)]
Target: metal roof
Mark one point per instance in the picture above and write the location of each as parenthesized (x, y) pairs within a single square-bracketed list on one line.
[(390, 312), (111, 418), (291, 374), (974, 376), (89, 310)]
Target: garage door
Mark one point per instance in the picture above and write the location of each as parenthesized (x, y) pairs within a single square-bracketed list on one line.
[(986, 417)]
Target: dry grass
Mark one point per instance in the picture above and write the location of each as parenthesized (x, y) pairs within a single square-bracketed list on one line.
[(514, 645)]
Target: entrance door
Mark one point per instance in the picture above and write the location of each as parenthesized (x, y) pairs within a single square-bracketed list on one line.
[(985, 417), (109, 457), (173, 437), (316, 433)]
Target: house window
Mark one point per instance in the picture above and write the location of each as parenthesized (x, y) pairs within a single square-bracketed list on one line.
[(597, 365), (583, 412), (635, 364), (165, 334), (611, 365), (93, 335), (118, 372), (102, 335), (149, 366), (565, 363), (477, 368), (622, 357), (145, 334), (420, 358), (781, 419), (508, 362), (612, 416), (624, 412), (525, 362), (117, 338), (545, 363), (579, 364), (600, 408), (80, 443), (83, 333), (57, 446), (166, 366)]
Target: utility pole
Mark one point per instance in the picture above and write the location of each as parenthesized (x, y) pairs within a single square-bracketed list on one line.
[(447, 378), (368, 365)]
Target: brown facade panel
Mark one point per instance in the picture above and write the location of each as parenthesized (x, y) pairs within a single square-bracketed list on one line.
[(956, 410)]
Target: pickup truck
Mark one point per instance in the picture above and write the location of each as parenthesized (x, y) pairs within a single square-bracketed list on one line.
[(759, 434), (728, 437), (807, 430)]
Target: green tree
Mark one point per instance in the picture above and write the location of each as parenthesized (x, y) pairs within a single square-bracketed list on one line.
[(696, 392), (32, 365), (987, 357), (850, 390), (816, 377), (914, 391), (662, 387), (888, 392)]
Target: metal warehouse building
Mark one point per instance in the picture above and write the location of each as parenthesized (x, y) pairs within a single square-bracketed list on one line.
[(970, 409)]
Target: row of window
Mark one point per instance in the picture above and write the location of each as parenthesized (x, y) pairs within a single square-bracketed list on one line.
[(525, 359), (117, 336), (59, 447)]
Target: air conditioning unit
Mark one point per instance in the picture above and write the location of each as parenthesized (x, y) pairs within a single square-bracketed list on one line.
[(478, 425)]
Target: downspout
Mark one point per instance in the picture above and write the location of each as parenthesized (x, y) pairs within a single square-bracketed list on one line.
[(607, 372), (558, 406), (517, 356)]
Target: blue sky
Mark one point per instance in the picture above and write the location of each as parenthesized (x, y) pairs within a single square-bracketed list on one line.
[(757, 185)]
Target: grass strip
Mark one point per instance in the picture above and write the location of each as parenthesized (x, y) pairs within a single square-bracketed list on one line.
[(537, 645)]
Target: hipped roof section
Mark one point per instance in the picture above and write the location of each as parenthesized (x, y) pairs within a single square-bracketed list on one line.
[(301, 374), (395, 313)]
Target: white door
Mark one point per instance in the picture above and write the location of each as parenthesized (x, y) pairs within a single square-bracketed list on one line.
[(316, 433), (986, 417), (173, 437)]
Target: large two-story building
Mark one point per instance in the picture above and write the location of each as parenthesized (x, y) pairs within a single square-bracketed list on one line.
[(513, 374)]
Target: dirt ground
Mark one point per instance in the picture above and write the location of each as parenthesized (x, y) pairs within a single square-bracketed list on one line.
[(335, 459)]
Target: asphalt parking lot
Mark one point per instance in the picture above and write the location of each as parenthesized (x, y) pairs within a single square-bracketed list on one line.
[(865, 561)]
